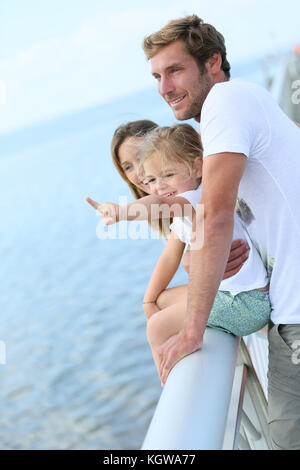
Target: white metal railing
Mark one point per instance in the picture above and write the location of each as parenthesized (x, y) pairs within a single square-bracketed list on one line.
[(192, 410), (212, 400), (247, 425)]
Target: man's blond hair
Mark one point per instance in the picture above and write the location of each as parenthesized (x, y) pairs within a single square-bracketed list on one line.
[(201, 40)]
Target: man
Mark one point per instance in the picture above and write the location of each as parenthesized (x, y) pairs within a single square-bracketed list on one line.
[(251, 152)]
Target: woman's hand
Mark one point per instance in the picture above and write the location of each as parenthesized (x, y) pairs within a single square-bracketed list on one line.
[(238, 254), (109, 211)]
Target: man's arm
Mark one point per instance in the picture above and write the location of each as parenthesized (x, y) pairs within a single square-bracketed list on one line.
[(221, 177)]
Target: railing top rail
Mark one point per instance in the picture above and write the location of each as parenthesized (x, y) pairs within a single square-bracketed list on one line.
[(192, 410)]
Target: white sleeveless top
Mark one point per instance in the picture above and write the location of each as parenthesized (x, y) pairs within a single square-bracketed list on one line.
[(252, 275)]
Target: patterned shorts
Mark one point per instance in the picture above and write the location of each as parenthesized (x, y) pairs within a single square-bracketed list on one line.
[(240, 314)]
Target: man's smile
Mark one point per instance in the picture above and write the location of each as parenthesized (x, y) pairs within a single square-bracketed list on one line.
[(173, 102)]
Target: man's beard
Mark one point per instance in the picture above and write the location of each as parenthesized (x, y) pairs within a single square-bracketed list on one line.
[(194, 110)]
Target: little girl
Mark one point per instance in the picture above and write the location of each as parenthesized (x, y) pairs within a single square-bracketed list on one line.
[(171, 162)]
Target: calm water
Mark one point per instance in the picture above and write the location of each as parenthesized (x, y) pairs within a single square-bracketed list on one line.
[(78, 372)]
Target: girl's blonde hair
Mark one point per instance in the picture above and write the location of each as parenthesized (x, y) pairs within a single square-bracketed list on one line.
[(180, 142)]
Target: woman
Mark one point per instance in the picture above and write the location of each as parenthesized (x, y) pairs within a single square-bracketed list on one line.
[(125, 145)]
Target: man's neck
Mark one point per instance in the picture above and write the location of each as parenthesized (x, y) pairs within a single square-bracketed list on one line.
[(221, 77)]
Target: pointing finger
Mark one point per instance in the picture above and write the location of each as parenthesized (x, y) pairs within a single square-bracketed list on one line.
[(94, 204)]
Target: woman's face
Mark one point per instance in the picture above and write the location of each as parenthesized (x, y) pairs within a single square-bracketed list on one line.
[(128, 159)]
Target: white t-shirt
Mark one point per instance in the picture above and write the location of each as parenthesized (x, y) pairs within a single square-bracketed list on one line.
[(243, 117), (252, 275)]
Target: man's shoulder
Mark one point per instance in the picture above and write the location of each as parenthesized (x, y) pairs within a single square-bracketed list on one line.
[(231, 88), (235, 95)]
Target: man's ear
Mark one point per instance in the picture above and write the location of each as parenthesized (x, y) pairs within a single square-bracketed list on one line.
[(214, 63)]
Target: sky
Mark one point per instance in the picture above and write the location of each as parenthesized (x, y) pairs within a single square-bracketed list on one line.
[(60, 56)]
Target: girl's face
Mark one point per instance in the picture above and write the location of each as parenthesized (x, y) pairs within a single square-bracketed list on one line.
[(171, 178), (128, 159)]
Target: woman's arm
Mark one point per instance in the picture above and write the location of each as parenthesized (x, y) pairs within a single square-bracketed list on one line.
[(163, 273)]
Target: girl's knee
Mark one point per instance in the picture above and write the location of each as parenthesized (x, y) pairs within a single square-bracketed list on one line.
[(154, 331), (161, 299)]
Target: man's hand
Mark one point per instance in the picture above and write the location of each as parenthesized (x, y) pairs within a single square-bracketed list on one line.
[(174, 349), (108, 211)]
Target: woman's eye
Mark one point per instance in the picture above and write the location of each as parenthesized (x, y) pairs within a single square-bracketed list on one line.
[(127, 168), (169, 175)]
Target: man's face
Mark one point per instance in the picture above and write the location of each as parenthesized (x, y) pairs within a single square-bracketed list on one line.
[(180, 81)]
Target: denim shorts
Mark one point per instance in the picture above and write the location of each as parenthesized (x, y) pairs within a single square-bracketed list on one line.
[(240, 314)]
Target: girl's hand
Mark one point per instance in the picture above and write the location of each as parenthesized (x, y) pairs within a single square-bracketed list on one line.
[(108, 211), (150, 308)]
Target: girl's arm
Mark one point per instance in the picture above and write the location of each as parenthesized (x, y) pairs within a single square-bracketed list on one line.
[(163, 273), (147, 208)]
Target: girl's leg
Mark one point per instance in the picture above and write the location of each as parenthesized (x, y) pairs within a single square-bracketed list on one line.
[(164, 324), (167, 298), (171, 296)]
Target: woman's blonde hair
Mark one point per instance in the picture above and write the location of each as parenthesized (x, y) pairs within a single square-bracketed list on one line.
[(201, 40), (180, 142)]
